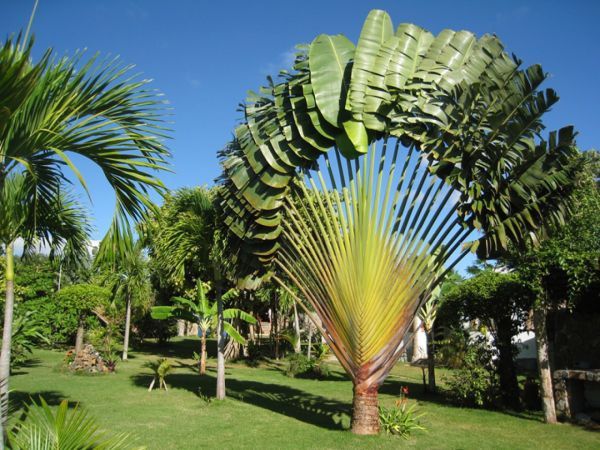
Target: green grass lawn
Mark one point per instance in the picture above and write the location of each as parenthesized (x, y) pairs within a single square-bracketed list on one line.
[(267, 410)]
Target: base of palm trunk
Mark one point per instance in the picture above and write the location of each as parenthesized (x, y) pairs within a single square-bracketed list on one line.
[(365, 411)]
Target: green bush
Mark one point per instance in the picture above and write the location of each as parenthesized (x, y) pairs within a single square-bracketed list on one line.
[(161, 330), (475, 383), (400, 420), (299, 366)]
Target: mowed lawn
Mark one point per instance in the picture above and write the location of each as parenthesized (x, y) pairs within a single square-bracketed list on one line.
[(267, 410)]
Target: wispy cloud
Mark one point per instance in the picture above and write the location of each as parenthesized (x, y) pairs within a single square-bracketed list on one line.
[(192, 81), (284, 61)]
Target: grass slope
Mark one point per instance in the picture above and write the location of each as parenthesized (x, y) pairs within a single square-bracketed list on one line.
[(267, 410)]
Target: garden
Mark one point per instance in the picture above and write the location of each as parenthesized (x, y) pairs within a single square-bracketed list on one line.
[(396, 252)]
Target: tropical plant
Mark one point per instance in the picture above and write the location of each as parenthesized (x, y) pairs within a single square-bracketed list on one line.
[(564, 270), (44, 428), (27, 333), (401, 420), (161, 368), (128, 276), (59, 106), (434, 137), (205, 314), (427, 314), (54, 219), (83, 299), (474, 383), (501, 303)]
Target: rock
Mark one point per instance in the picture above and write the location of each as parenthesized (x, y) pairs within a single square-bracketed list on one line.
[(88, 360)]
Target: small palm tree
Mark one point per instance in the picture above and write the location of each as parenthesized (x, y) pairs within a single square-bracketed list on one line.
[(206, 315), (161, 368)]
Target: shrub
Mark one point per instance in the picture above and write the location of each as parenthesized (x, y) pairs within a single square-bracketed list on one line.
[(26, 334), (301, 367), (400, 420), (475, 384), (298, 364), (161, 330)]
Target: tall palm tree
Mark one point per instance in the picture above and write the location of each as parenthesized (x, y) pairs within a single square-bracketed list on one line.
[(184, 235), (436, 152), (57, 107), (128, 275), (59, 222)]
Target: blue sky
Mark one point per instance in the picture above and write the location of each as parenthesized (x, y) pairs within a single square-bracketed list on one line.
[(204, 56)]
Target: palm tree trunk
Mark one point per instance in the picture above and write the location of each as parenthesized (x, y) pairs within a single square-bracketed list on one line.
[(9, 277), (220, 344), (127, 327), (310, 332), (431, 362), (203, 353), (298, 344), (79, 336), (365, 410), (543, 360)]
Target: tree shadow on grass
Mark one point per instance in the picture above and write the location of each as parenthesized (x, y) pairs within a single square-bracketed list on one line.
[(393, 385), (182, 348), (19, 399), (20, 369), (288, 401)]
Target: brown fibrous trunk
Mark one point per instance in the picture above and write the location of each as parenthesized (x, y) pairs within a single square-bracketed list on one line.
[(365, 410)]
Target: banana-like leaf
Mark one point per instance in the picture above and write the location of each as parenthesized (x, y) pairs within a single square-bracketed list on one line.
[(328, 60)]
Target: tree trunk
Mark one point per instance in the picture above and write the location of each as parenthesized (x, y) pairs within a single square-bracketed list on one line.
[(419, 344), (127, 327), (543, 361), (276, 326), (509, 386), (220, 344), (9, 278), (298, 344), (365, 411), (309, 347), (431, 362), (180, 327), (203, 353), (79, 337)]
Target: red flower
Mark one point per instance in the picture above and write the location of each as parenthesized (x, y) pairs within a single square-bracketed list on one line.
[(405, 390)]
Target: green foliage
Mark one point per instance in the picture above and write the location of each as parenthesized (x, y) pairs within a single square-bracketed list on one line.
[(475, 382), (401, 420), (299, 366), (179, 236), (566, 267), (161, 368), (204, 313), (58, 323), (44, 428), (150, 328), (495, 298), (35, 277), (27, 333), (82, 298)]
